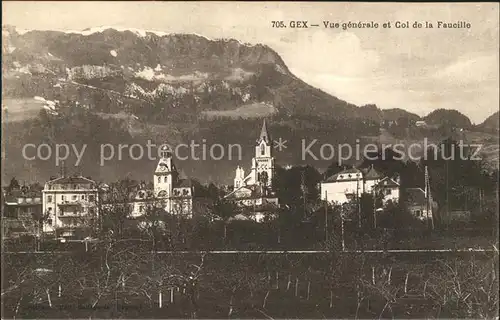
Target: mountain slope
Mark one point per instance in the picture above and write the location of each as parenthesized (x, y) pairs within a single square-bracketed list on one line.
[(189, 71), (491, 124), (448, 117), (107, 86)]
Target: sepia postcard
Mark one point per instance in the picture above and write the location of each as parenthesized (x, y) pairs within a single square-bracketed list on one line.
[(259, 160)]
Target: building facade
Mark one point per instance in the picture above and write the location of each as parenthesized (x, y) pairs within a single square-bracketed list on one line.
[(388, 189), (22, 212), (177, 196), (254, 190), (349, 184), (68, 203)]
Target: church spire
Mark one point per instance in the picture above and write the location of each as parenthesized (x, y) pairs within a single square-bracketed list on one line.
[(264, 134)]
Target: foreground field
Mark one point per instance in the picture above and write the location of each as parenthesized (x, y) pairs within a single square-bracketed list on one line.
[(118, 281)]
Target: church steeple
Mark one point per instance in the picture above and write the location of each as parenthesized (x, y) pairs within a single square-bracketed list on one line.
[(263, 162), (264, 134)]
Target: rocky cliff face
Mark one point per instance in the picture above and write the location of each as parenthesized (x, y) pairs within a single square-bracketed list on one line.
[(205, 74)]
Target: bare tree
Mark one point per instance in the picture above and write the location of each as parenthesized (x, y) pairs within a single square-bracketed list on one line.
[(465, 289)]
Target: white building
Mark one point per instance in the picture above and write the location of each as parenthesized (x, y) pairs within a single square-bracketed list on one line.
[(68, 202), (420, 124), (255, 190), (176, 196), (349, 184), (389, 189)]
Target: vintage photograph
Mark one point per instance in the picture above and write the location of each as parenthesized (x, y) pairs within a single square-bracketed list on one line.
[(249, 160)]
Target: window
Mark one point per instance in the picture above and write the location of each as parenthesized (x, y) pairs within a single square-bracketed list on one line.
[(262, 150), (141, 209), (63, 198), (83, 197), (418, 213), (165, 179), (49, 199), (159, 179), (74, 197), (388, 192)]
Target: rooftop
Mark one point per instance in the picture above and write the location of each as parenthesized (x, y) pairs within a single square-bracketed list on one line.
[(351, 174), (387, 183), (71, 180)]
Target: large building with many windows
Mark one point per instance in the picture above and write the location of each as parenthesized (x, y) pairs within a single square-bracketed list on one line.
[(68, 203)]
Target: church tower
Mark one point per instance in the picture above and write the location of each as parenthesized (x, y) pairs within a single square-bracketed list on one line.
[(263, 162), (165, 175)]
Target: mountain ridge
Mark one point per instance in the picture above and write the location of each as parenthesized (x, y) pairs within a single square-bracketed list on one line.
[(122, 87), (47, 51)]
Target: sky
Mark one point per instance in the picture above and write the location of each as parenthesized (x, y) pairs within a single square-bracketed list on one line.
[(419, 70)]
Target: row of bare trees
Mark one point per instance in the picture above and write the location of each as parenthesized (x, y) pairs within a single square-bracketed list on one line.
[(117, 280)]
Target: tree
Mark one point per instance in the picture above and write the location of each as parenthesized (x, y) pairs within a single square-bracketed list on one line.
[(153, 222), (225, 210), (293, 184), (116, 206), (465, 289), (451, 171), (13, 185)]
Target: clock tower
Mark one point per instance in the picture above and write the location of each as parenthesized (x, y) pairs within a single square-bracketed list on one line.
[(263, 162), (165, 174)]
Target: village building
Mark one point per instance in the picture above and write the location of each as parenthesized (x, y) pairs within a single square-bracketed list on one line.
[(388, 189), (68, 204), (349, 184), (21, 212), (421, 124), (417, 204), (254, 191)]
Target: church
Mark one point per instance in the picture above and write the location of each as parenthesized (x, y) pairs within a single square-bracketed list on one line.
[(254, 191)]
